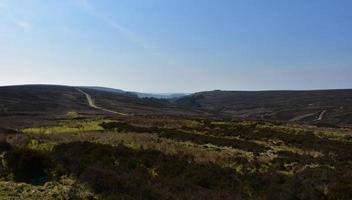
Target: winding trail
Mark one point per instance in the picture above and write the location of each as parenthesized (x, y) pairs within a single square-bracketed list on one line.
[(321, 116), (92, 104), (302, 117)]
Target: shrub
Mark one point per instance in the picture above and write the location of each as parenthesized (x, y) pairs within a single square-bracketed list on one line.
[(28, 165), (4, 145)]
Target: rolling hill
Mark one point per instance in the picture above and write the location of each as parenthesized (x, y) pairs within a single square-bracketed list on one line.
[(325, 106), (140, 94), (40, 99), (45, 102), (318, 107)]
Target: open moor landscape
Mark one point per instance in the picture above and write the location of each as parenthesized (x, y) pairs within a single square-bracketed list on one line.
[(62, 142)]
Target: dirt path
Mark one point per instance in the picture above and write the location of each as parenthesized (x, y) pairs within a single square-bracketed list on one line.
[(302, 117), (92, 104), (321, 116)]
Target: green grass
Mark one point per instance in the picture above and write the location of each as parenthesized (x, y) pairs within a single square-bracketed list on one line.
[(69, 126), (72, 114), (41, 146)]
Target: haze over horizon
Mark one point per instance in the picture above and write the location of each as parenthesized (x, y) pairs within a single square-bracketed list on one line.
[(161, 46)]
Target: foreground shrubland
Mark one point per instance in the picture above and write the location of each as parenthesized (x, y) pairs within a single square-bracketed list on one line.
[(165, 158)]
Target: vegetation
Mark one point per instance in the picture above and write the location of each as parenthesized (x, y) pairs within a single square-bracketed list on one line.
[(54, 146), (69, 126), (175, 158), (65, 188)]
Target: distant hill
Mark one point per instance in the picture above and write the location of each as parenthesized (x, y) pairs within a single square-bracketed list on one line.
[(129, 102), (161, 95), (140, 94), (40, 99), (319, 106), (106, 89), (55, 100)]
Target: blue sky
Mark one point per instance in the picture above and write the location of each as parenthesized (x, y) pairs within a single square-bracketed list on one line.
[(177, 45)]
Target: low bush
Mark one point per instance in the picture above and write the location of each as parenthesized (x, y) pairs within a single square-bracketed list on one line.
[(28, 165)]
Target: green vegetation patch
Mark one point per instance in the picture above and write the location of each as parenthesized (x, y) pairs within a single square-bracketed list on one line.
[(184, 136), (41, 146), (69, 126), (72, 115)]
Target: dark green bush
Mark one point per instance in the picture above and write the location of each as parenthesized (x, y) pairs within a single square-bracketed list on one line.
[(28, 166)]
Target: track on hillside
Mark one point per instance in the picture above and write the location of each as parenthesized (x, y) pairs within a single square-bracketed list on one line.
[(92, 104)]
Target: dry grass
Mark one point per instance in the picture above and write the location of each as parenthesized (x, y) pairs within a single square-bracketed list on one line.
[(66, 188), (201, 153)]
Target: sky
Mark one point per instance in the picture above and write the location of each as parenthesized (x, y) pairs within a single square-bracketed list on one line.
[(177, 45)]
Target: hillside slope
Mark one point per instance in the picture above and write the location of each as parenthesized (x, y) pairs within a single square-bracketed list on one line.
[(127, 103), (25, 105), (40, 99), (323, 106), (20, 104)]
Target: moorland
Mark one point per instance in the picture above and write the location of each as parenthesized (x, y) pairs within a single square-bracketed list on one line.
[(63, 142)]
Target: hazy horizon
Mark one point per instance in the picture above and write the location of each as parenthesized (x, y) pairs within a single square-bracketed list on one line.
[(179, 46)]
